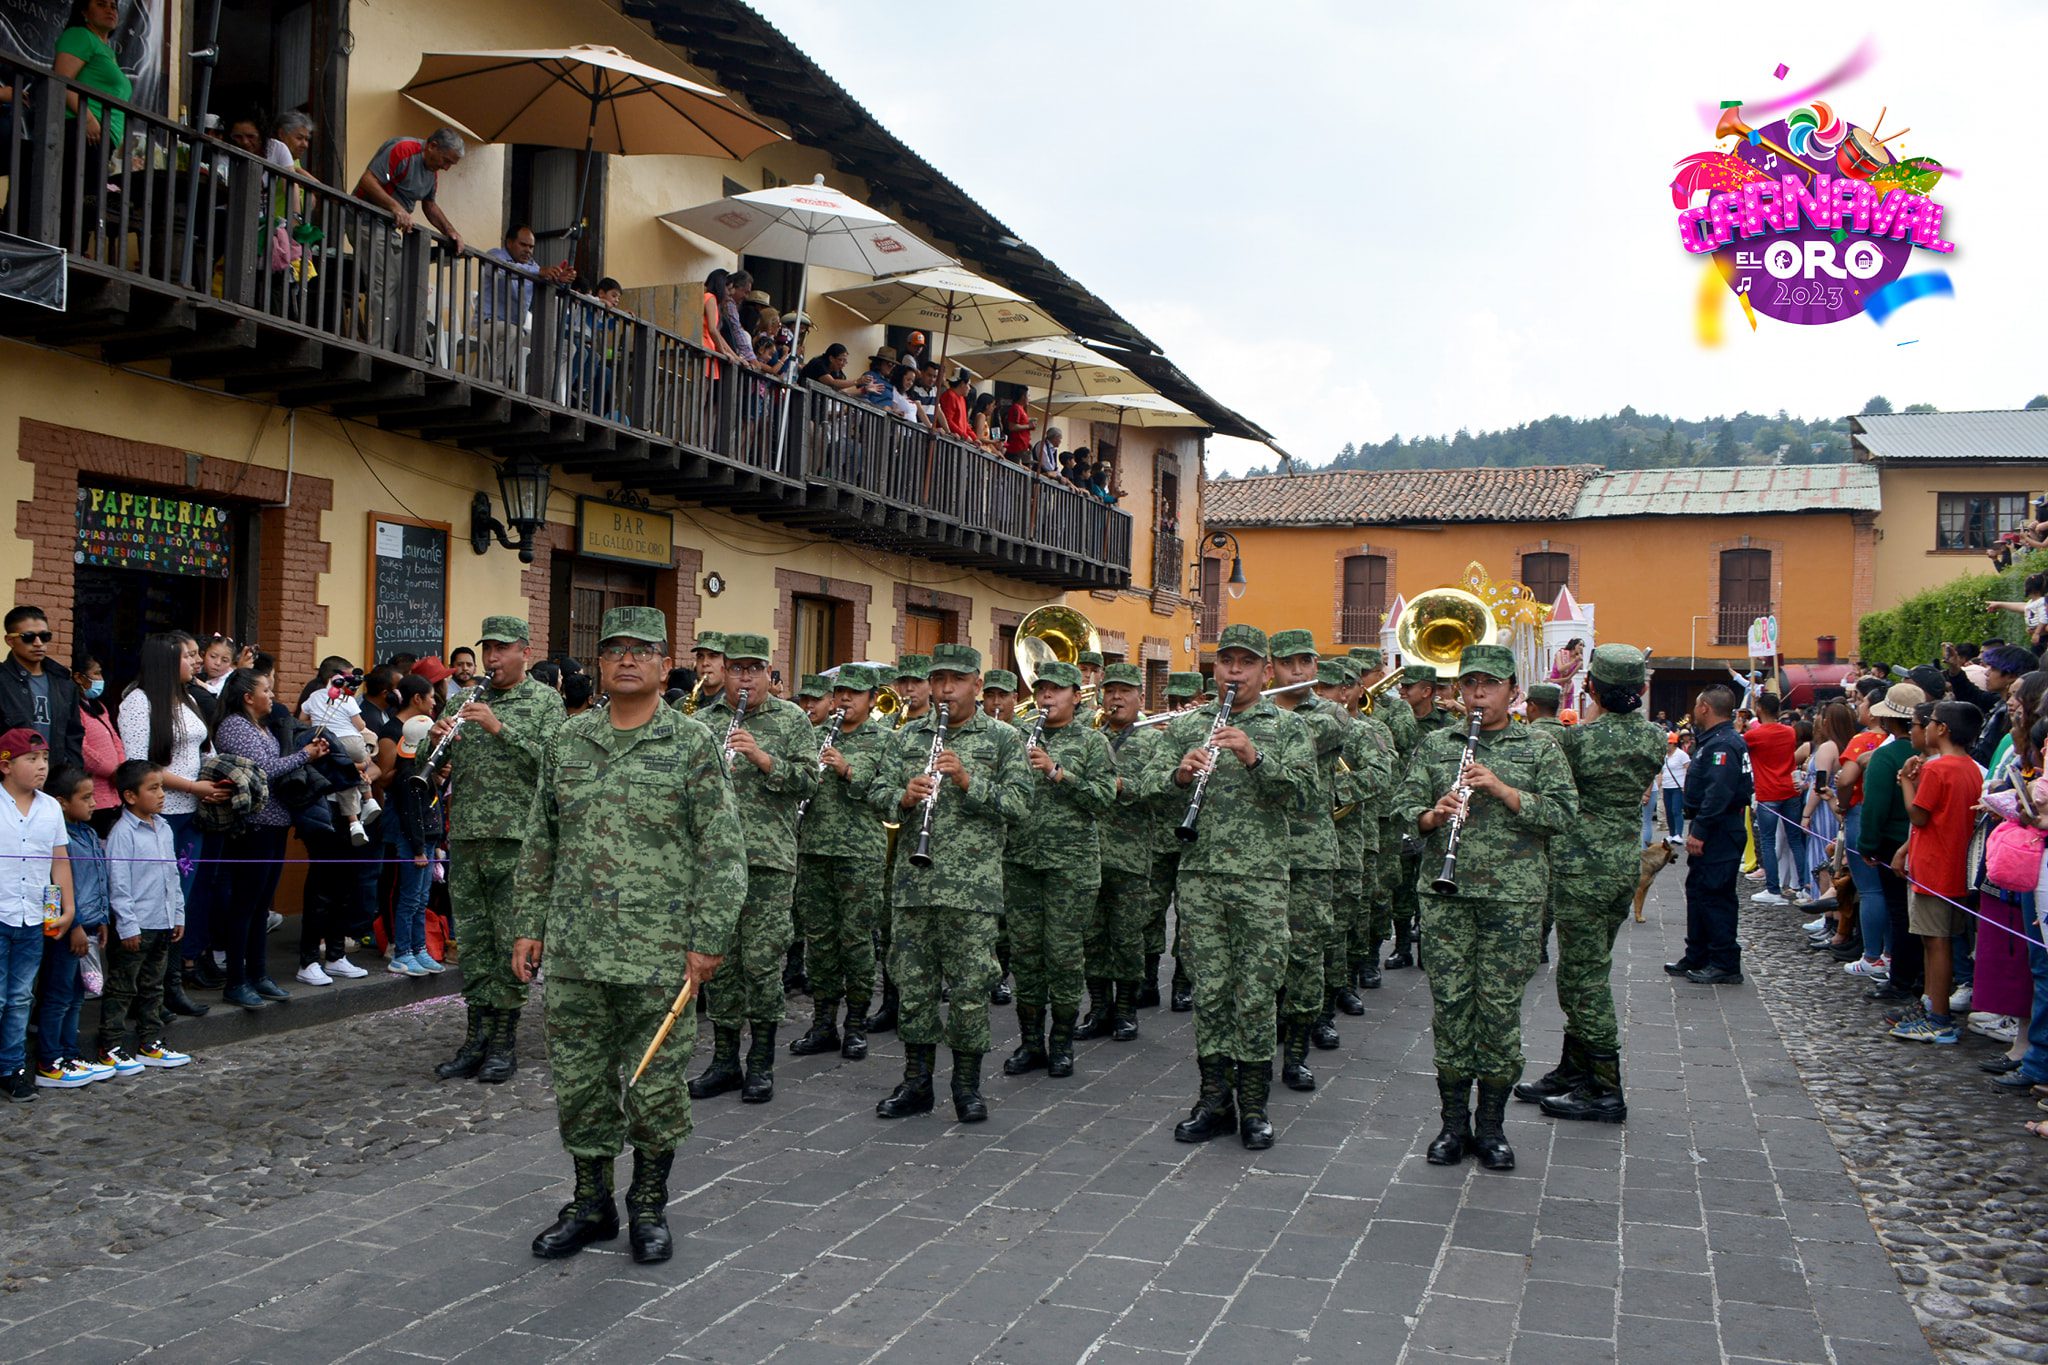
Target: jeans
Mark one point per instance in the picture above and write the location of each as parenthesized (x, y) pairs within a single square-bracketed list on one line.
[(1870, 903), (21, 955), (242, 922), (1674, 811), (1769, 816), (409, 914), (2034, 1065), (63, 997), (1908, 962), (186, 841)]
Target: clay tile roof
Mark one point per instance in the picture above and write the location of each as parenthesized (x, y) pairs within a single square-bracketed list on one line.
[(1375, 497)]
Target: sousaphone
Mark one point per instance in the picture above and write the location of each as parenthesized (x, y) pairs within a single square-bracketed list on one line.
[(1051, 634), (1441, 624)]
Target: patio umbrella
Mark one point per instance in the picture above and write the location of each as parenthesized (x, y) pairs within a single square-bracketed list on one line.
[(596, 98), (1129, 409), (948, 299), (1059, 365)]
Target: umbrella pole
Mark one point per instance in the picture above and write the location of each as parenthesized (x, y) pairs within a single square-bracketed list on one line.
[(803, 290), (583, 190)]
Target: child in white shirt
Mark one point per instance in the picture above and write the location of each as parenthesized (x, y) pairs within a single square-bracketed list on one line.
[(340, 717)]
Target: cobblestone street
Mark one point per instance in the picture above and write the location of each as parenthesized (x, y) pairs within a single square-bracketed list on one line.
[(314, 1197)]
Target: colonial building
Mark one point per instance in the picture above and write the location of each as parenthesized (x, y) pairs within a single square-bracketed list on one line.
[(300, 440)]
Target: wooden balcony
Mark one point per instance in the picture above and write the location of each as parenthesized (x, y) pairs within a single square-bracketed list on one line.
[(198, 262)]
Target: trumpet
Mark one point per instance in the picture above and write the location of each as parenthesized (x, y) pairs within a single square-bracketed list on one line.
[(1187, 831), (921, 856), (739, 713), (1370, 698), (1446, 883), (831, 734)]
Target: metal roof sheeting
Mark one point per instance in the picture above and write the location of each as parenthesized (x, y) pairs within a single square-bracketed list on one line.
[(2003, 437), (1729, 490)]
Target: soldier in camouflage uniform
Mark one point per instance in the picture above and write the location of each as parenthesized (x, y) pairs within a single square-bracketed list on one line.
[(1052, 874), (1368, 790), (814, 696), (1183, 690), (999, 702), (1540, 704), (1089, 661), (1312, 855), (1384, 875), (1418, 693), (839, 868), (771, 758), (506, 725), (945, 913), (1132, 896), (1481, 938), (1231, 893), (630, 879), (707, 656), (1593, 873), (914, 690)]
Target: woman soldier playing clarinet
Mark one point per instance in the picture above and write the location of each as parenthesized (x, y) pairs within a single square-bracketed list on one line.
[(1488, 800)]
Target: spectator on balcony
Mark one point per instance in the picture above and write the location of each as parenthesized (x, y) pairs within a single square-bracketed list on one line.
[(1098, 484), (737, 286), (85, 55), (953, 419), (246, 133), (753, 304), (901, 379), (504, 305), (1046, 454), (875, 386), (924, 391), (1080, 468), (594, 339), (711, 318), (980, 414), (829, 370), (1017, 426), (403, 175)]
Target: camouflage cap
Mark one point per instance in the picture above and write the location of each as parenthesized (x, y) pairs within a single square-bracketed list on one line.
[(1545, 694), (1090, 657), (951, 658), (634, 623), (855, 678), (1289, 643), (1368, 657), (1249, 638), (814, 685), (709, 641), (1353, 670), (1058, 674), (1492, 661), (999, 680), (505, 630), (1413, 675), (1183, 684), (1620, 666), (918, 666), (1127, 674), (1330, 673), (742, 645)]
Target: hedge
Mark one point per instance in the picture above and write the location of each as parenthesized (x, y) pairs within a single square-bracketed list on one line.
[(1914, 631)]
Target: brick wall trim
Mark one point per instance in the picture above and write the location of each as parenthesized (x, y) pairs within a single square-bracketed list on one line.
[(1386, 552), (958, 610), (854, 596)]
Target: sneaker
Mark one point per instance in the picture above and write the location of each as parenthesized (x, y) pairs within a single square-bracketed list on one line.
[(156, 1054), (59, 1076), (341, 966), (1959, 1003), (371, 809), (425, 962), (1865, 966), (403, 965), (92, 1071), (1755, 874), (312, 975), (121, 1060), (357, 835), (1999, 1028), (1769, 898), (273, 923), (19, 1085), (220, 960), (1814, 926), (1925, 1030)]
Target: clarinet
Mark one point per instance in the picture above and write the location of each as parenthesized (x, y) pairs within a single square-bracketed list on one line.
[(422, 775), (921, 856), (831, 734), (1032, 741), (1446, 883), (739, 713), (1187, 831)]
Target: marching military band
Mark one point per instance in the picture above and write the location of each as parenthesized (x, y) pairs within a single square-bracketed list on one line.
[(963, 826)]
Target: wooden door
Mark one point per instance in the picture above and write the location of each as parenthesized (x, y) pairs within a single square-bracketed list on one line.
[(594, 588)]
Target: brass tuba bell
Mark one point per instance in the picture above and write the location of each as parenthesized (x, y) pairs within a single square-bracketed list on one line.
[(1441, 624), (1051, 634)]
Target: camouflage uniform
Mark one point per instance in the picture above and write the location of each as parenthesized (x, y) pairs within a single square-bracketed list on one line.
[(1129, 917), (916, 666), (840, 868), (1549, 727), (1369, 753), (1406, 908), (1383, 869), (1312, 863), (1181, 688)]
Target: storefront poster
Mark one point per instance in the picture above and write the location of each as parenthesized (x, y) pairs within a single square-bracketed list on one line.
[(122, 529)]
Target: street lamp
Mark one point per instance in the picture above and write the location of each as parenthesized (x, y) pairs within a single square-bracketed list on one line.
[(1236, 582), (523, 486)]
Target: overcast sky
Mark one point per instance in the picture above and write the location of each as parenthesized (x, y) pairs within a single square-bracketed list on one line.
[(1351, 220)]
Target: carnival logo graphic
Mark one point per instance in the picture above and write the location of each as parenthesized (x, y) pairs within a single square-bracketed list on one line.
[(1809, 219)]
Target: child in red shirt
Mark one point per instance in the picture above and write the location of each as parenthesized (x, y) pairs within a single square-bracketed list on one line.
[(1940, 793)]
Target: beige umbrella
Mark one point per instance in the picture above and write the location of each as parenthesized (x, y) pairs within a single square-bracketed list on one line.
[(951, 301), (1129, 409), (1059, 365), (596, 98)]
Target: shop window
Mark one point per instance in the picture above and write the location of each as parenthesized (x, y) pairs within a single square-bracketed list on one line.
[(1975, 521)]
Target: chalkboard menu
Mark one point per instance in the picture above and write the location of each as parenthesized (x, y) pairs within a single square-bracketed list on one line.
[(30, 28), (408, 607)]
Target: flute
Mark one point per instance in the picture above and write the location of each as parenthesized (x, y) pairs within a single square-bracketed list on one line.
[(921, 856), (1446, 883), (1187, 832)]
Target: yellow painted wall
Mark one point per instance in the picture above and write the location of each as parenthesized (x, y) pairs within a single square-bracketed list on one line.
[(1648, 576), (1906, 561)]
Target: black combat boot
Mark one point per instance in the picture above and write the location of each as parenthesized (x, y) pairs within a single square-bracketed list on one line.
[(470, 1055), (176, 998), (855, 1048), (968, 1106), (1489, 1138), (591, 1215), (501, 1049), (1095, 1023), (1128, 997), (1449, 1146), (794, 978), (724, 1072), (1148, 985), (1368, 976), (1215, 1112), (883, 1020), (1000, 993), (1323, 1028), (1404, 947), (914, 1095), (1347, 994), (1598, 1098), (1559, 1080), (647, 1207), (1254, 1083), (824, 1032), (1030, 1053), (1183, 989), (1294, 1072), (1059, 1046), (759, 1087)]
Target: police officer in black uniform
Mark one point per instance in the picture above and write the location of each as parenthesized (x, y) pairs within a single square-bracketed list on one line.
[(1717, 792)]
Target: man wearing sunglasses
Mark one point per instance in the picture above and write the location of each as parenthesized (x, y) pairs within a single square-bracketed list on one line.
[(36, 695)]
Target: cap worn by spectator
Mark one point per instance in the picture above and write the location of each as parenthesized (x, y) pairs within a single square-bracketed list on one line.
[(1491, 661), (503, 630), (248, 792), (1899, 701), (744, 646), (814, 686), (1546, 694), (1058, 675), (856, 678), (20, 740), (998, 680), (709, 642), (414, 734), (1929, 680), (634, 623), (1619, 666), (1127, 674), (951, 658), (1414, 675), (1290, 644), (432, 669), (1248, 638), (916, 667)]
